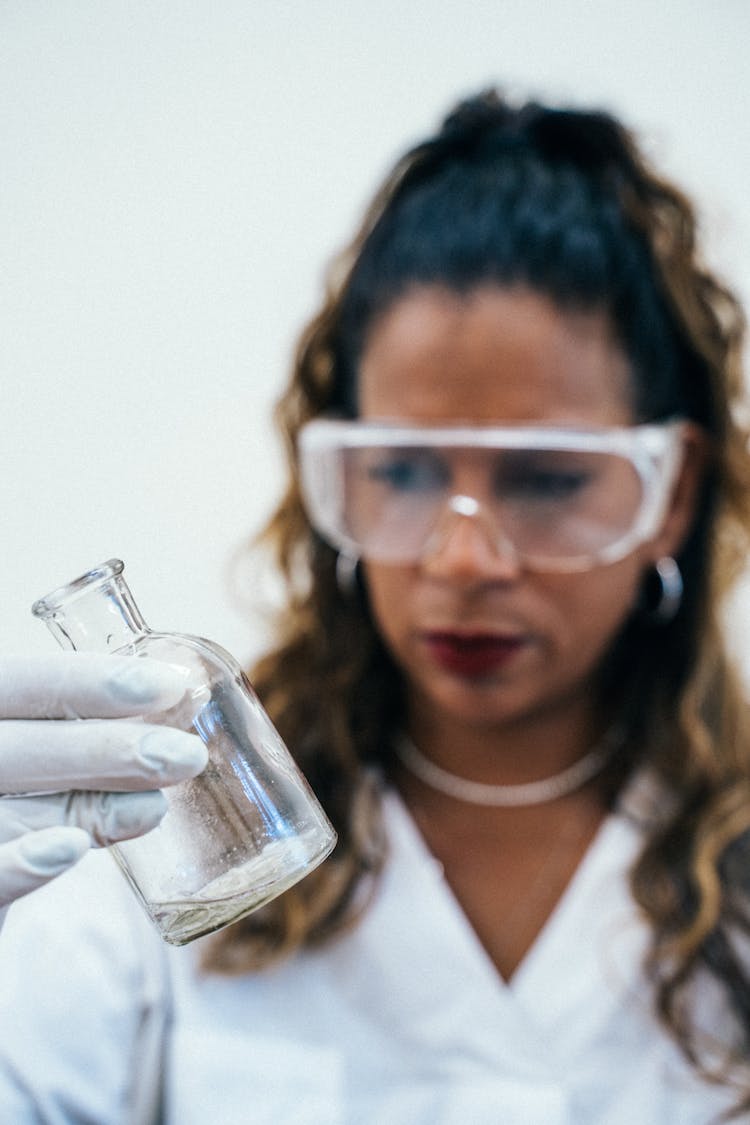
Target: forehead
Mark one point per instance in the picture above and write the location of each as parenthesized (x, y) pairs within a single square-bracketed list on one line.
[(493, 355)]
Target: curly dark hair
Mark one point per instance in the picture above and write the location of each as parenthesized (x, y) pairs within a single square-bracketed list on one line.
[(560, 202)]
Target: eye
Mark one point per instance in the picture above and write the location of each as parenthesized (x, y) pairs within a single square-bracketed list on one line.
[(407, 471), (542, 479), (551, 485)]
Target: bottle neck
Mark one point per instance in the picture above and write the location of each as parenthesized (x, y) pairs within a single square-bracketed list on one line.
[(96, 613)]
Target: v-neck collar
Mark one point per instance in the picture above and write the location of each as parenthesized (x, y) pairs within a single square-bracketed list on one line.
[(586, 957), (432, 974)]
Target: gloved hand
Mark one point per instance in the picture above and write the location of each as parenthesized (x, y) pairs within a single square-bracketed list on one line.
[(92, 781)]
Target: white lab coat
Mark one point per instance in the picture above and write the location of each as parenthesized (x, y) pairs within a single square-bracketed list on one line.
[(403, 1021)]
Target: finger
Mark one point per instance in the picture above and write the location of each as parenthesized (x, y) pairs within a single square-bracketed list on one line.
[(70, 685), (31, 861), (95, 754), (105, 817)]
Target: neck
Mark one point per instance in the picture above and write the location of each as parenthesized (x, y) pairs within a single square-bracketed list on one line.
[(506, 754)]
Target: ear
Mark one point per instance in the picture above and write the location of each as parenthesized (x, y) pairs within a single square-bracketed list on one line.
[(686, 492)]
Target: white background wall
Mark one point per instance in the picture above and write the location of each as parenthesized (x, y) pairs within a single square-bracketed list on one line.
[(174, 174)]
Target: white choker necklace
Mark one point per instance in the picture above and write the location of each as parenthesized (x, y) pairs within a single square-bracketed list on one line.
[(508, 796)]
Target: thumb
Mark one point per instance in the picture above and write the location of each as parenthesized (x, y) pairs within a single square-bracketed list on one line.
[(35, 858)]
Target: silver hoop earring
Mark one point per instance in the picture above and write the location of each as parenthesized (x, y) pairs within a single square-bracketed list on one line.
[(671, 589), (346, 574)]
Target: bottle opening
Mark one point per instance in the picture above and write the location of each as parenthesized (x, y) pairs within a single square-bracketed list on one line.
[(50, 604)]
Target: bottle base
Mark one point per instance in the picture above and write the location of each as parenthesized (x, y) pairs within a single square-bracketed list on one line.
[(229, 897)]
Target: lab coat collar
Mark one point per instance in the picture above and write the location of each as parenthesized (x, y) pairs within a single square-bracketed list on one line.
[(443, 983)]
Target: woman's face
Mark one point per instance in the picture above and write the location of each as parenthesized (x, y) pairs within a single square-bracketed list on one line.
[(479, 638)]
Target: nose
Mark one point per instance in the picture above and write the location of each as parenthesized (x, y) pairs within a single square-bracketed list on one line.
[(466, 545)]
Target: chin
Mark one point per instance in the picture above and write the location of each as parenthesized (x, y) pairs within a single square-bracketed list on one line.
[(475, 703)]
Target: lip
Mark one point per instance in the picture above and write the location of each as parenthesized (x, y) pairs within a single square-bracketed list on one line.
[(473, 655)]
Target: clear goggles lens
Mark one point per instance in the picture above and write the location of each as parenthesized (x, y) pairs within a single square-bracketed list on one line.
[(559, 499)]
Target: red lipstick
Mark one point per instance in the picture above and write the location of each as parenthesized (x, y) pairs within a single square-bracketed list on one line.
[(473, 655)]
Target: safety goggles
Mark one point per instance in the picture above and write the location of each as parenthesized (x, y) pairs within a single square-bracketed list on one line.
[(557, 499)]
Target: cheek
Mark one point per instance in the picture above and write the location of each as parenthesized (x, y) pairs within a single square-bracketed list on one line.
[(390, 593), (590, 610)]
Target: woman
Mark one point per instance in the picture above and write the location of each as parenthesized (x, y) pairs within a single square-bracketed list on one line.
[(518, 494)]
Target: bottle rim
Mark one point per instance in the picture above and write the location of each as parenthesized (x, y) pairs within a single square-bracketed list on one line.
[(52, 602)]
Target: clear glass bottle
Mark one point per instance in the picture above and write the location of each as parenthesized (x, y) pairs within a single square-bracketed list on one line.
[(249, 826)]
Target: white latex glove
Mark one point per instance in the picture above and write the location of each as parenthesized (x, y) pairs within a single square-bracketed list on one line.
[(90, 781)]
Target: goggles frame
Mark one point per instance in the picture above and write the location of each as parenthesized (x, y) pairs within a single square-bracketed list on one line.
[(655, 450)]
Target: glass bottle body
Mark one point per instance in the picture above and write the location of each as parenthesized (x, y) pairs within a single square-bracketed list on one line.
[(248, 827)]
